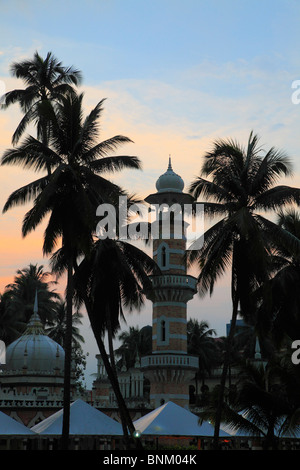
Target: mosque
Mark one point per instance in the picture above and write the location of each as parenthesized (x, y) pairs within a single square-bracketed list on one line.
[(31, 383), (32, 379), (167, 373)]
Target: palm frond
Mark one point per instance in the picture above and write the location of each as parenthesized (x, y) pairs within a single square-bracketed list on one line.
[(207, 189), (279, 236), (43, 202), (31, 154), (113, 164), (274, 165), (105, 147), (26, 193)]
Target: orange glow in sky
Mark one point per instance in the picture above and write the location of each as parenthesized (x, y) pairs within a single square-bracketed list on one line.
[(174, 83)]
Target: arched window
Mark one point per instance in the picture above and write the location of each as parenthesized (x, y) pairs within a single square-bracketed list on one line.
[(163, 256), (163, 330)]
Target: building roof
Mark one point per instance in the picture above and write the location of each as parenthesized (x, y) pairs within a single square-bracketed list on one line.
[(9, 426), (169, 187), (170, 181), (173, 420), (34, 349), (84, 420)]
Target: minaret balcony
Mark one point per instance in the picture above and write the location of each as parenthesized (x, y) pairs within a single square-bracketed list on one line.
[(183, 281), (180, 287), (170, 360)]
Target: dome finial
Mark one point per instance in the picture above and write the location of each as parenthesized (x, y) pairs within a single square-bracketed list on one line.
[(34, 325), (170, 181), (35, 307)]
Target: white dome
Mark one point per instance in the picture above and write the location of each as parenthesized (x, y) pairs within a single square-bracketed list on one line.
[(169, 181), (35, 350)]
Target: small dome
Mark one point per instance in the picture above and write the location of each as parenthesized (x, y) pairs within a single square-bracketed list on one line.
[(35, 350), (169, 181)]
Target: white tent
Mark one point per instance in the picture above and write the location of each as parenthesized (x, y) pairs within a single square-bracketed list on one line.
[(10, 427), (173, 420), (85, 420)]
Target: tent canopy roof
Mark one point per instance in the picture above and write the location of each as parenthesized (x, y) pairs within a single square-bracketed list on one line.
[(84, 420), (173, 420), (9, 426)]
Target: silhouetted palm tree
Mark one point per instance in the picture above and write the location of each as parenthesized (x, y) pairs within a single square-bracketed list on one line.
[(111, 279), (135, 343), (282, 307), (264, 404), (22, 291), (242, 186), (201, 343), (69, 195), (11, 325), (57, 328), (47, 80)]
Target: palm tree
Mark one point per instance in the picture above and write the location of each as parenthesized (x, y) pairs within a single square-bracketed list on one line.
[(135, 343), (11, 325), (243, 184), (70, 195), (22, 291), (264, 404), (57, 328), (245, 339), (47, 80), (283, 311), (112, 279), (201, 343), (57, 331)]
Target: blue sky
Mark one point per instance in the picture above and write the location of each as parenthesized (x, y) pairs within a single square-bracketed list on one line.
[(147, 39), (176, 75)]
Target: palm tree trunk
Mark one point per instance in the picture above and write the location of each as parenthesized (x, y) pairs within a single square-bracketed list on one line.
[(115, 384), (126, 420), (114, 369), (271, 442), (45, 142), (110, 341), (224, 373), (68, 354)]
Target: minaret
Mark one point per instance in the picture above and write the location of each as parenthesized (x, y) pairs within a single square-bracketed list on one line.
[(169, 368)]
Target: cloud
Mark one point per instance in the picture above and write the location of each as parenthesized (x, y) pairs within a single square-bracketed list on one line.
[(180, 114)]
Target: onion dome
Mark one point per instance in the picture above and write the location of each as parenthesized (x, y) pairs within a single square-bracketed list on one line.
[(169, 181), (34, 350)]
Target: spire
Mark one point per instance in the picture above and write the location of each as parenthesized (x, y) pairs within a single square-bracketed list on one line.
[(35, 307), (137, 359), (123, 367), (35, 325), (257, 350), (170, 164), (25, 357), (257, 356)]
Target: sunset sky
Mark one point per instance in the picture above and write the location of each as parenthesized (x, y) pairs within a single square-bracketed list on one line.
[(177, 75)]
